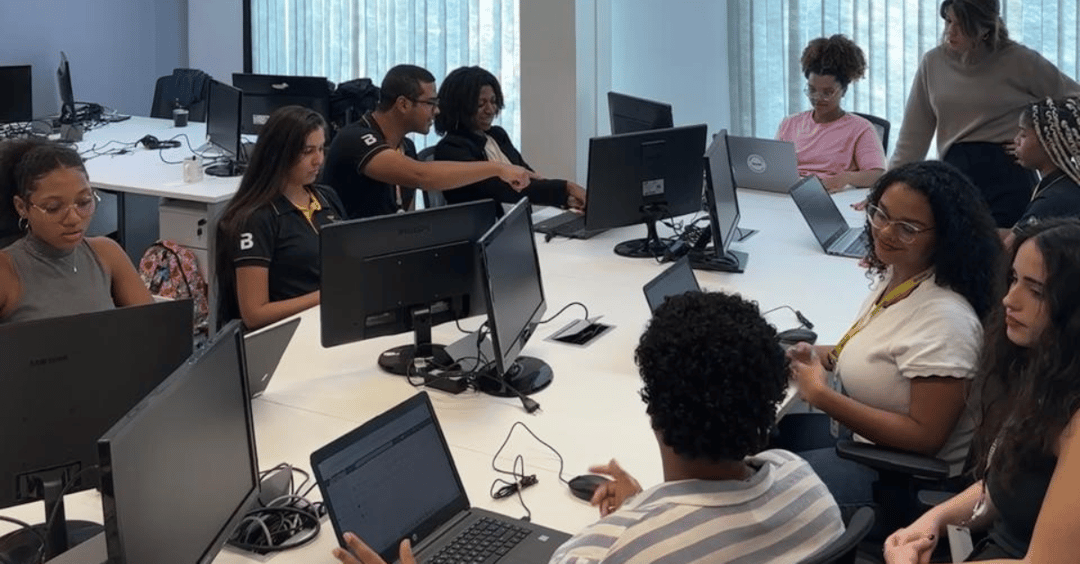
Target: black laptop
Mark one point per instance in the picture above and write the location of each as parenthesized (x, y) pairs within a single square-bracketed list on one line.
[(393, 478), (675, 280)]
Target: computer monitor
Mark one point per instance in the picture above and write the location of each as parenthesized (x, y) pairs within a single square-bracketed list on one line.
[(67, 97), (16, 94), (223, 128), (63, 383), (644, 177), (630, 114), (264, 93), (404, 272), (179, 471), (514, 294), (722, 203)]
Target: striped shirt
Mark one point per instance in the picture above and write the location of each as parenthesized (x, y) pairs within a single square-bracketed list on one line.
[(783, 513)]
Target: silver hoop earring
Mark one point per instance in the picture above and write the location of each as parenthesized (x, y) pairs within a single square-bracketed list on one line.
[(24, 224)]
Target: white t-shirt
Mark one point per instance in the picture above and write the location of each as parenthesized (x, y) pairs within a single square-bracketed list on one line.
[(932, 332)]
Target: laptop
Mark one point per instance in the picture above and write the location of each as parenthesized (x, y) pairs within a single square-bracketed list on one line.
[(393, 477), (676, 280), (763, 164), (263, 350), (829, 225)]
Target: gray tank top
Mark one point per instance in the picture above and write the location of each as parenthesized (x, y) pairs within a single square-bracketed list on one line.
[(57, 283)]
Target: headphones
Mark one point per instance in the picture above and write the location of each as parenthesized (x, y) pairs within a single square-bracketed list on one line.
[(151, 142)]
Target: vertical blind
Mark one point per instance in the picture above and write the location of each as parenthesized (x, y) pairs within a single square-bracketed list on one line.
[(347, 39), (766, 39)]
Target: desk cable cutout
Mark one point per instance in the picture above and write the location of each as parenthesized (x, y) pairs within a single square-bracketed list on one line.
[(502, 488), (284, 518)]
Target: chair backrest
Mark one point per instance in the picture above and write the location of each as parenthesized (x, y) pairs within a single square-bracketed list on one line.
[(188, 87), (431, 198), (882, 126), (844, 549)]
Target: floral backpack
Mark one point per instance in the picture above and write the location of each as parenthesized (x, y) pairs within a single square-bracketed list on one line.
[(172, 271)]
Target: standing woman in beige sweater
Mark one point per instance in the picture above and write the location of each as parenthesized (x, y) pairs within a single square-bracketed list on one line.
[(969, 91)]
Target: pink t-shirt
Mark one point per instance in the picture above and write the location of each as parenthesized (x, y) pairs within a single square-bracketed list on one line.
[(827, 149)]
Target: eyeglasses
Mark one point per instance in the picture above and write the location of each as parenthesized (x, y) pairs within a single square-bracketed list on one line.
[(821, 95), (56, 211), (433, 102), (905, 232)]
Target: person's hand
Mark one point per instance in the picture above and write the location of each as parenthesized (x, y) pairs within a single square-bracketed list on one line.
[(516, 176), (1010, 149), (914, 551), (360, 553), (807, 371), (904, 541), (834, 184), (575, 196), (860, 205), (609, 496)]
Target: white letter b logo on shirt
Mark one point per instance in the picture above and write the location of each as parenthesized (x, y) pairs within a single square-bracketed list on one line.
[(246, 241)]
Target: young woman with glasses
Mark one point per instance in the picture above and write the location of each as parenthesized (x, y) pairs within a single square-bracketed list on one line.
[(55, 270), (840, 148), (905, 362)]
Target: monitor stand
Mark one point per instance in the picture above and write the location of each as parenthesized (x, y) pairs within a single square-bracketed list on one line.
[(731, 261), (651, 246), (24, 546), (416, 359), (526, 376)]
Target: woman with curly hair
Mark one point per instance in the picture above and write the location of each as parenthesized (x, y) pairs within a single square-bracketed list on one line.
[(906, 359), (839, 147), (469, 100), (1049, 142), (969, 92), (1027, 444)]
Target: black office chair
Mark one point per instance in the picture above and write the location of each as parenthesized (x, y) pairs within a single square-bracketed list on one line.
[(882, 126), (187, 88), (845, 549), (432, 198)]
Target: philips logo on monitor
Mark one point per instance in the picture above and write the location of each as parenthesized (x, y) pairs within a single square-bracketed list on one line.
[(48, 360), (756, 163), (415, 230)]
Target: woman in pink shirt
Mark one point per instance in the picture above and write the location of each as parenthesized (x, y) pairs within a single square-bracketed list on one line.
[(838, 147)]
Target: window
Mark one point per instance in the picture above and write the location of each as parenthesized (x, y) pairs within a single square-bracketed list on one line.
[(347, 39), (766, 40)]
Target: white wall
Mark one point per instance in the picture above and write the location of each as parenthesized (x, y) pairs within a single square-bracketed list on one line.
[(216, 37)]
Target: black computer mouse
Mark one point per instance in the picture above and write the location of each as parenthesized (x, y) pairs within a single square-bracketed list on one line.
[(797, 335), (584, 485)]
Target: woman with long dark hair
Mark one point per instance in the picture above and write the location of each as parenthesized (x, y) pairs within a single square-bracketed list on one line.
[(268, 235), (1027, 448)]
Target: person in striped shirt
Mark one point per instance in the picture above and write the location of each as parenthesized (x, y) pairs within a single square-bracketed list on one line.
[(713, 376)]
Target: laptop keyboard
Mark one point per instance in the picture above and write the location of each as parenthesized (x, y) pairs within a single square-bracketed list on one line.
[(566, 224), (484, 541), (857, 245)]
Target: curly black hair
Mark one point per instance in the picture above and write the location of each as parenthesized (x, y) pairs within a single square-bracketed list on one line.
[(713, 375), (24, 161), (459, 95), (1030, 394), (968, 250), (835, 56)]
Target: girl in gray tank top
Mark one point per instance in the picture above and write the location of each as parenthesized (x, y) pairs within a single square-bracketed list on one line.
[(57, 282)]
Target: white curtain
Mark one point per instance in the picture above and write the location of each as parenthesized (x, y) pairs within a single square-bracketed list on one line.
[(347, 39), (766, 39)]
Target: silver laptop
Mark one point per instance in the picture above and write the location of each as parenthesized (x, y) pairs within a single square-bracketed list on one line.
[(393, 478), (829, 225), (763, 164), (263, 350)]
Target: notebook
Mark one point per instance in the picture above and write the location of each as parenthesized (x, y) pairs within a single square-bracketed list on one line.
[(676, 280), (825, 220), (262, 352), (763, 164), (393, 477)]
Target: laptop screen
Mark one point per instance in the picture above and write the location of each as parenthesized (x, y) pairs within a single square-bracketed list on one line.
[(678, 279), (819, 209), (391, 478)]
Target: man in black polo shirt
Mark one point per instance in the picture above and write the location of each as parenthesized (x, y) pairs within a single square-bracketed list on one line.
[(373, 166)]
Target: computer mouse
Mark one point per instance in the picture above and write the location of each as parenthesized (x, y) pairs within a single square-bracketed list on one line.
[(797, 335), (584, 485)]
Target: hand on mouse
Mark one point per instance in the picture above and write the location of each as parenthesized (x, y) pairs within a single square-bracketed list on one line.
[(609, 496)]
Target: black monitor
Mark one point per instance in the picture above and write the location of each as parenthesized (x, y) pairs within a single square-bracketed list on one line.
[(67, 97), (404, 272), (630, 114), (63, 383), (16, 94), (180, 470), (722, 204), (264, 93), (644, 177), (223, 128), (514, 295)]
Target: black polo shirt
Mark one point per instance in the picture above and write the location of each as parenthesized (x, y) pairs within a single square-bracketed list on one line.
[(279, 237), (351, 151)]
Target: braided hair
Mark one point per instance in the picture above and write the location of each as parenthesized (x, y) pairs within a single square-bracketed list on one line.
[(1057, 126)]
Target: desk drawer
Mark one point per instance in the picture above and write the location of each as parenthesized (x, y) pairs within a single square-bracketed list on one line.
[(185, 223)]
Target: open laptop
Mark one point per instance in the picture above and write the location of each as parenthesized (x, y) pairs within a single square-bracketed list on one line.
[(829, 225), (763, 164), (263, 350), (675, 280), (394, 478)]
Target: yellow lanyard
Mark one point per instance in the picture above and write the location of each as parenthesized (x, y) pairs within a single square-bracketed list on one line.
[(892, 297)]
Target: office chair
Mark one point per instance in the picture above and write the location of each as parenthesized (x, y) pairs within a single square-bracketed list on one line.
[(431, 198), (186, 87), (882, 126), (844, 550)]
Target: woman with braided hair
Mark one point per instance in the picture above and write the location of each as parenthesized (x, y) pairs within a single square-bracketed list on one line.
[(840, 148), (1049, 142)]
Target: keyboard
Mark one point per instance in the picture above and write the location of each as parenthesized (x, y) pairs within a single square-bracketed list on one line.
[(858, 244), (484, 541), (566, 224)]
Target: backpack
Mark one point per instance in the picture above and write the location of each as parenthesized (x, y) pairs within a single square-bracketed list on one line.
[(351, 100), (171, 271)]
